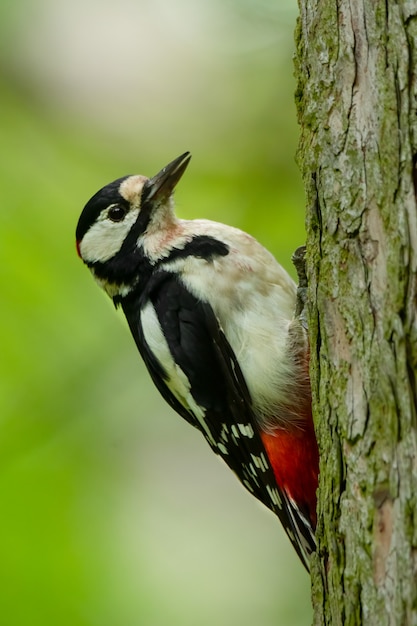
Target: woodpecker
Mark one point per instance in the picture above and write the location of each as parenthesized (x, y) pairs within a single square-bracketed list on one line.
[(212, 314)]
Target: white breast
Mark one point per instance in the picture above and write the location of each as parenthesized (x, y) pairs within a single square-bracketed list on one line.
[(254, 299)]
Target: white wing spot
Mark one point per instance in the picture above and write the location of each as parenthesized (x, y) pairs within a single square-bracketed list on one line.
[(225, 433), (222, 448), (246, 430), (274, 495), (264, 462), (301, 540), (248, 485), (254, 474), (260, 462), (235, 431), (303, 517), (256, 460)]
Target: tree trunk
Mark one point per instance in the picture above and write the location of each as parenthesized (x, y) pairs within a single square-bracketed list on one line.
[(357, 96)]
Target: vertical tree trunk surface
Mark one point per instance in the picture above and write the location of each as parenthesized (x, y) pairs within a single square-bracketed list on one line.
[(357, 98)]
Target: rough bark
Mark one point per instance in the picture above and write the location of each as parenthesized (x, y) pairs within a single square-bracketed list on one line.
[(356, 67)]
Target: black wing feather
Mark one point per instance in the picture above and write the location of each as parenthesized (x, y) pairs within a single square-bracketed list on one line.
[(200, 348)]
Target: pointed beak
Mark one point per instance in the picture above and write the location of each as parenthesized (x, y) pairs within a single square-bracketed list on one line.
[(160, 187)]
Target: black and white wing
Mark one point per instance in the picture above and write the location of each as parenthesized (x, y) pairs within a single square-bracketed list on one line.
[(195, 369)]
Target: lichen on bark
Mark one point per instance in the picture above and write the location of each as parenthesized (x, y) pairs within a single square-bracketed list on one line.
[(356, 65)]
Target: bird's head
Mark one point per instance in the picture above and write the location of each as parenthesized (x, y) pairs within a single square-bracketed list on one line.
[(117, 215)]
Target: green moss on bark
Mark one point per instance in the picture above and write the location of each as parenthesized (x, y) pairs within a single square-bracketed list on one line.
[(356, 100)]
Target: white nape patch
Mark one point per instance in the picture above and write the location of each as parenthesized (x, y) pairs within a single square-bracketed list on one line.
[(177, 382), (105, 238)]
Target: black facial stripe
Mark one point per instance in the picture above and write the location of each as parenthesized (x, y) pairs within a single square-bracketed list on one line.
[(101, 200), (131, 265), (200, 246)]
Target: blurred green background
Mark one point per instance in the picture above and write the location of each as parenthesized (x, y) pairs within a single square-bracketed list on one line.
[(113, 510)]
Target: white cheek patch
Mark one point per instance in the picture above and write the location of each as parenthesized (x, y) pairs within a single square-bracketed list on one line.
[(105, 238), (177, 382)]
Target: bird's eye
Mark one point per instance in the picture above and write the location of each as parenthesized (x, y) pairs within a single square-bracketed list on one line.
[(116, 213)]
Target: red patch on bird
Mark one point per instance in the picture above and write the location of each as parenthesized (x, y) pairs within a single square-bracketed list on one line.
[(77, 245), (294, 458)]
